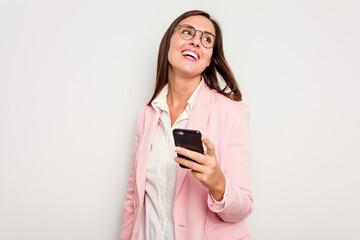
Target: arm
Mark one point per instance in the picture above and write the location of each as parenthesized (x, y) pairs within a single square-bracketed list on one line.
[(128, 207), (238, 202), (234, 175)]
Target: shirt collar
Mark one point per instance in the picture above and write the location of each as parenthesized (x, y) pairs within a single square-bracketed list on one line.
[(160, 102)]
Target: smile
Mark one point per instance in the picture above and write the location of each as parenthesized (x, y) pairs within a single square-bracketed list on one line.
[(190, 55)]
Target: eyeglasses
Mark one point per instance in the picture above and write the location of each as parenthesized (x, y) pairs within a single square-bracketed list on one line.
[(188, 32)]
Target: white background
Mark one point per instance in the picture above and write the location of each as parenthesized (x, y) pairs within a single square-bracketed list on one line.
[(74, 73)]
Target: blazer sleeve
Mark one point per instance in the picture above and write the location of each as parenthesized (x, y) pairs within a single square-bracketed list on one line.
[(238, 202), (128, 206)]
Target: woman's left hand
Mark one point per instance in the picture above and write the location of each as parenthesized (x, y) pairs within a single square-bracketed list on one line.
[(205, 168)]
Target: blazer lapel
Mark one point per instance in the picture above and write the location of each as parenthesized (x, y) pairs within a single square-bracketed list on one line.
[(199, 117), (151, 122)]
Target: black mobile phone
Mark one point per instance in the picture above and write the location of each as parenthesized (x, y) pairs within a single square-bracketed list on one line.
[(189, 139)]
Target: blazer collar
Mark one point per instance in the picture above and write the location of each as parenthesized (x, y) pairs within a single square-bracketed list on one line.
[(203, 97)]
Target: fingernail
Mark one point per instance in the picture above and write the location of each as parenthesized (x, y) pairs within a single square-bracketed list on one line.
[(177, 149)]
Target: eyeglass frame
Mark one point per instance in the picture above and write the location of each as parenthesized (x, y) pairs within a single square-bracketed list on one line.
[(196, 30)]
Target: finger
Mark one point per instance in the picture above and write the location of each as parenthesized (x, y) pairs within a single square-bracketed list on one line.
[(190, 164), (210, 147), (198, 157)]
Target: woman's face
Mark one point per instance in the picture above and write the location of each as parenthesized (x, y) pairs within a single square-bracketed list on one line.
[(190, 57)]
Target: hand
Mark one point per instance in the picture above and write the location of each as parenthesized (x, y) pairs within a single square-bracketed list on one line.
[(206, 168)]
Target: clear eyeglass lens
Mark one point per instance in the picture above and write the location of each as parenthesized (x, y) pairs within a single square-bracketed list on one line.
[(188, 33), (207, 40)]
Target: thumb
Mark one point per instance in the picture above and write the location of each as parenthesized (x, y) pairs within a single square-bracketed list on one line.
[(210, 148)]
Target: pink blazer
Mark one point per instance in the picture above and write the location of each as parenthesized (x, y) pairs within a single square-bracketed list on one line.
[(226, 124)]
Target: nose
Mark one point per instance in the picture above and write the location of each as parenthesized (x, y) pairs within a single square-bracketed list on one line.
[(196, 41)]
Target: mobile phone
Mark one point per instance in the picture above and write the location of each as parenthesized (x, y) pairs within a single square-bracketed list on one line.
[(189, 139)]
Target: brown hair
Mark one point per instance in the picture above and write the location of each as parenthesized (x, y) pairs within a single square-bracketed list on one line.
[(218, 63)]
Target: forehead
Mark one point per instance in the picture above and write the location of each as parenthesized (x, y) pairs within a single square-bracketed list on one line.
[(200, 23)]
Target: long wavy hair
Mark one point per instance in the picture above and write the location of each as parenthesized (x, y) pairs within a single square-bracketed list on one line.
[(218, 65)]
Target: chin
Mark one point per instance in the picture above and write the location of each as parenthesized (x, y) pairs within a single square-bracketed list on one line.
[(187, 70), (190, 72)]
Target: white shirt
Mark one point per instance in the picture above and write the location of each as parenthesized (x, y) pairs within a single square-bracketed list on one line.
[(157, 222)]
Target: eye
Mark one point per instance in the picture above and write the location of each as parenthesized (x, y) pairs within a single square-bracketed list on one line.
[(207, 38), (186, 31)]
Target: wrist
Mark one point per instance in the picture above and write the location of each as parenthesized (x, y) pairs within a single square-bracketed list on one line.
[(219, 190)]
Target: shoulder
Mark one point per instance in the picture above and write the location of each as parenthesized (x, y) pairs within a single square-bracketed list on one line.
[(141, 112), (145, 113), (145, 109), (227, 105), (232, 117), (141, 117)]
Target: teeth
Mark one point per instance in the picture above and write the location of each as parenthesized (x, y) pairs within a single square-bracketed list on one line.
[(191, 54)]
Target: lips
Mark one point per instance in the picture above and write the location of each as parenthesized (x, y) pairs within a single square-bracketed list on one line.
[(190, 55)]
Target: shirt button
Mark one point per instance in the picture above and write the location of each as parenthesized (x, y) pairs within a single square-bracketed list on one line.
[(162, 197), (134, 204)]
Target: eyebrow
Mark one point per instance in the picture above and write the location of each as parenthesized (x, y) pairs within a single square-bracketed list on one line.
[(198, 29)]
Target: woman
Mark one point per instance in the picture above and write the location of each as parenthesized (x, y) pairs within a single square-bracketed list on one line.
[(212, 198)]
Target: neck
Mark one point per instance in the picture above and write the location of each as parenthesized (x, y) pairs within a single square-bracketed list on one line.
[(181, 89)]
